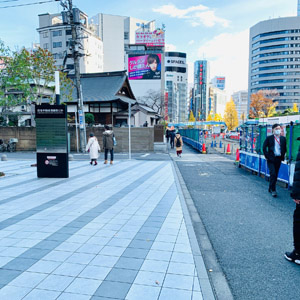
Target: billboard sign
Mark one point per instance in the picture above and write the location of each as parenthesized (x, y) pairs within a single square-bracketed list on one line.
[(151, 38), (144, 67), (175, 62)]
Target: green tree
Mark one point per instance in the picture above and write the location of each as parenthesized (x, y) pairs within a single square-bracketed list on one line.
[(89, 118), (231, 115)]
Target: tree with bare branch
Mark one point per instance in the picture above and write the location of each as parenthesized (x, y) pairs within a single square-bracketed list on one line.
[(154, 100)]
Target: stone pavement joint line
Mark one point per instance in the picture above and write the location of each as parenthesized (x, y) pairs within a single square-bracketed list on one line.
[(24, 261), (110, 288), (26, 214)]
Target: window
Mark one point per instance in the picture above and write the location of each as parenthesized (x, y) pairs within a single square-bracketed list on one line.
[(56, 33), (45, 34), (46, 46), (70, 67), (57, 44), (126, 35), (94, 108), (68, 32)]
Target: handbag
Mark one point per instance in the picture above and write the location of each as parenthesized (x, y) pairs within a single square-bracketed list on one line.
[(114, 141)]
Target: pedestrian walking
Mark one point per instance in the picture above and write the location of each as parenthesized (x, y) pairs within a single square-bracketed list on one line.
[(172, 137), (178, 144), (294, 256), (93, 148), (168, 134), (274, 149), (108, 144)]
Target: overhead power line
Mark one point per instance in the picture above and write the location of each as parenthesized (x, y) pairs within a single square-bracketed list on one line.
[(27, 4), (8, 1)]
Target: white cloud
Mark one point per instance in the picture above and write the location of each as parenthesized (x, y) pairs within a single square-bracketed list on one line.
[(170, 47), (228, 54), (196, 15), (191, 42)]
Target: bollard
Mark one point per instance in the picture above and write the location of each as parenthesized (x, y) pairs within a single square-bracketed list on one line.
[(4, 157), (212, 144), (71, 157), (220, 144), (215, 144)]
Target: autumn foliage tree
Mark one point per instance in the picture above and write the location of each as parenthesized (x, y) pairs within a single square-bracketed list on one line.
[(262, 104), (192, 118), (231, 115)]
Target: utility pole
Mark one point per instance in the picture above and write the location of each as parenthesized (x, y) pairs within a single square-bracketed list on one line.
[(72, 17)]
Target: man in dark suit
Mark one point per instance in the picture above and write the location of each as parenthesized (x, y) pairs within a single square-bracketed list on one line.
[(294, 256), (274, 150)]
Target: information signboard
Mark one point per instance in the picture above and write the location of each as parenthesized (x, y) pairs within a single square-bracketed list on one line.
[(52, 141)]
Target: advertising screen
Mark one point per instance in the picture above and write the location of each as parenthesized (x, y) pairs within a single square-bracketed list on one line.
[(144, 67), (153, 38)]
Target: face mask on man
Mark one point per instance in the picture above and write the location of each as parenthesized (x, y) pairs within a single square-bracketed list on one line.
[(277, 131)]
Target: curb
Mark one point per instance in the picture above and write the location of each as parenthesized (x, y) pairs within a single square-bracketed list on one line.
[(213, 283)]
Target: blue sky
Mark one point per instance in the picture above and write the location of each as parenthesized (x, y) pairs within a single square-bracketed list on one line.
[(216, 30)]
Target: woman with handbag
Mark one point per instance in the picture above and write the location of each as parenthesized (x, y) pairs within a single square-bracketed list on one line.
[(109, 142), (93, 148)]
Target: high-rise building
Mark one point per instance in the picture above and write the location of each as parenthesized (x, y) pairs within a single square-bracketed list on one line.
[(274, 62), (219, 82), (176, 80), (298, 8), (117, 33), (240, 100), (217, 100), (55, 37), (201, 84)]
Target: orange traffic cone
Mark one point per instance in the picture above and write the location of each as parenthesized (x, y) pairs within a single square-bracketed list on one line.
[(237, 155), (203, 149), (228, 149)]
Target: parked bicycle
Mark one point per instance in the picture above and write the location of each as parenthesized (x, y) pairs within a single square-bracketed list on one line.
[(10, 146)]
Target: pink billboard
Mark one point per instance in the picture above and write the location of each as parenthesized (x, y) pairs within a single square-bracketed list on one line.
[(153, 38), (144, 67)]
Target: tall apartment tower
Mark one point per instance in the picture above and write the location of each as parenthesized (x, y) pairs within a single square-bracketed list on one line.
[(55, 37), (274, 61), (176, 80), (298, 8), (201, 85), (117, 33)]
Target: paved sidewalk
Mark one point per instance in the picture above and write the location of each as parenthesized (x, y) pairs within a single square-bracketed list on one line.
[(107, 232)]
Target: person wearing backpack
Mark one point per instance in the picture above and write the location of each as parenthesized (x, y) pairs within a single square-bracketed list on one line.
[(108, 144), (178, 144)]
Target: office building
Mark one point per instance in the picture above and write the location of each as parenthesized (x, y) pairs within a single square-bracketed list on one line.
[(219, 82), (201, 85), (56, 36), (117, 33), (240, 100), (176, 80), (274, 62)]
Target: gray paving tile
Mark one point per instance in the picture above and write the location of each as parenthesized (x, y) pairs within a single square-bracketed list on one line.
[(155, 266), (95, 272), (111, 250), (70, 296), (111, 289), (135, 253), (44, 266), (181, 268), (121, 275), (83, 286), (81, 258), (178, 282), (28, 279), (55, 283), (197, 296), (20, 264), (167, 294), (68, 269), (38, 294), (159, 255), (145, 236), (149, 278), (57, 255), (13, 292), (138, 292), (104, 260), (138, 244), (182, 257), (129, 263), (90, 249)]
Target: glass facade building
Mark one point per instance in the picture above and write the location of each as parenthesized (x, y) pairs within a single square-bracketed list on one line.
[(274, 60), (201, 85)]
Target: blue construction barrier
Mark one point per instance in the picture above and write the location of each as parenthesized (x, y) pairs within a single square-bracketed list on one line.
[(196, 145)]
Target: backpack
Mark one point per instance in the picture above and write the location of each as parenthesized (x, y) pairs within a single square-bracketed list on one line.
[(178, 143)]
